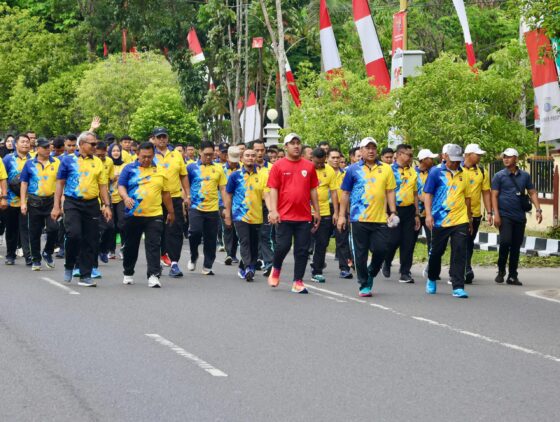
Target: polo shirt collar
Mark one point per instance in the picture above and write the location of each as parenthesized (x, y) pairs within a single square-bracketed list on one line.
[(255, 169), (363, 162), (36, 159)]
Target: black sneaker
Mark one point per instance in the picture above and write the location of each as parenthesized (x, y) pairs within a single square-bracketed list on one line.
[(406, 278), (260, 265), (228, 260), (513, 281), (386, 270), (28, 262), (249, 275), (10, 261), (500, 277), (267, 270), (469, 277)]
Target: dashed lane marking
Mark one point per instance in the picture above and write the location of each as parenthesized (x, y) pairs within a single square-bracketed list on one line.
[(60, 286)]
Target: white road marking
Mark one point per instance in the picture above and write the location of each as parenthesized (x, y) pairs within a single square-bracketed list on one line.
[(329, 297), (215, 372), (538, 295), (446, 326), (60, 286)]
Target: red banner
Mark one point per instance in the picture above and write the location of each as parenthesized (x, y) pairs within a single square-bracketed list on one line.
[(257, 42), (399, 31)]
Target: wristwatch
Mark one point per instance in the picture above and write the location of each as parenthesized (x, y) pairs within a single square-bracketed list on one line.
[(539, 210)]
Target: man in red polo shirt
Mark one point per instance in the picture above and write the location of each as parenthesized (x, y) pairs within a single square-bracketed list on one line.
[(293, 184)]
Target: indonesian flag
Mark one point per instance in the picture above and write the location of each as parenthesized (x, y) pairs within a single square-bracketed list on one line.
[(545, 83), (194, 46), (376, 68), (250, 119), (292, 84), (329, 49), (461, 12), (105, 50)]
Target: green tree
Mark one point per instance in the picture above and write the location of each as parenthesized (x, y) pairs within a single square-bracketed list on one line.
[(544, 13), (111, 89), (163, 106)]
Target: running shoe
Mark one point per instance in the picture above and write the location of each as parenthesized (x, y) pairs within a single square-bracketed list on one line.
[(128, 280), (95, 273), (318, 278), (165, 261), (469, 277), (249, 275), (221, 248), (365, 292), (500, 277), (228, 260), (406, 279), (431, 287), (386, 270), (207, 271), (191, 266), (234, 260), (36, 266), (10, 261), (103, 257), (241, 273), (28, 262), (267, 270), (175, 271), (260, 264), (346, 274), (299, 287), (68, 276), (48, 259), (153, 281), (87, 282), (60, 253), (76, 272), (513, 281), (274, 278), (460, 293)]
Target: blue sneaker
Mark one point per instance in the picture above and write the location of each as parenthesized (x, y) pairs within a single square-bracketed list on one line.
[(365, 292), (68, 274), (103, 257), (346, 274), (431, 287), (241, 273), (318, 278), (48, 259), (95, 273), (460, 293), (60, 253), (175, 271), (87, 282), (76, 272)]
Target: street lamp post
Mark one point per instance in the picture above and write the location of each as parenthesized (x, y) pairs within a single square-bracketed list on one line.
[(271, 134)]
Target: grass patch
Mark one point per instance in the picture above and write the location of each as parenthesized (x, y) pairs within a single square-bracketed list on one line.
[(480, 258)]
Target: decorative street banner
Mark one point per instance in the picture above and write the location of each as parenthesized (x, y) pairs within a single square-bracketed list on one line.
[(257, 42), (556, 48), (292, 87), (399, 31), (461, 12), (329, 49), (194, 46), (397, 75), (545, 83), (250, 119)]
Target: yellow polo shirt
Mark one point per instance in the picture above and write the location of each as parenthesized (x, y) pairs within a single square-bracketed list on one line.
[(327, 183), (407, 184), (174, 166), (479, 181), (83, 176)]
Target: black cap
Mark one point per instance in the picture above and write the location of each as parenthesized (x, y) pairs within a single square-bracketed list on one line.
[(224, 146), (159, 131), (110, 137), (43, 143)]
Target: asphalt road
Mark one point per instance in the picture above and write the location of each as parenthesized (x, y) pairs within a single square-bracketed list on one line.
[(218, 349)]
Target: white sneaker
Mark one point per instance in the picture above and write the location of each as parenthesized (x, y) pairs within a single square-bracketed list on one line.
[(128, 280), (191, 266), (207, 271), (153, 281), (19, 252)]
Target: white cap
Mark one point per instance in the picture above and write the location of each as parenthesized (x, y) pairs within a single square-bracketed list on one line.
[(510, 152), (426, 153), (444, 149), (474, 149), (234, 154), (454, 152), (366, 141), (291, 136)]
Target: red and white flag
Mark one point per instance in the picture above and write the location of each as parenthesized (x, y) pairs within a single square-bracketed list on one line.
[(194, 46), (292, 84), (250, 118), (376, 68), (545, 83), (329, 49), (462, 13)]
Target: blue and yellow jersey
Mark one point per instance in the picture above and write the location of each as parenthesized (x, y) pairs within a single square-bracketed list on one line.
[(407, 184), (368, 188), (114, 188), (247, 189), (479, 182), (449, 192), (205, 180), (83, 176), (145, 185), (228, 170), (174, 166), (41, 179), (422, 177), (190, 162), (3, 174), (127, 157), (14, 165), (327, 183)]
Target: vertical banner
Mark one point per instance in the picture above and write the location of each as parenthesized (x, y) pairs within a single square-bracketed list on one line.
[(545, 83), (123, 44), (257, 42), (250, 119), (399, 31), (556, 48), (105, 49), (329, 49), (462, 13), (194, 47), (292, 87), (397, 74)]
